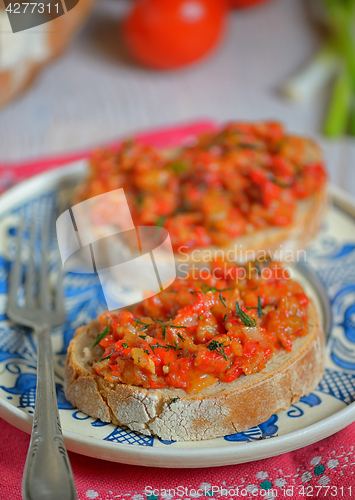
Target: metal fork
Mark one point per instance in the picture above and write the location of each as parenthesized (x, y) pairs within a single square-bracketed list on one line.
[(47, 473)]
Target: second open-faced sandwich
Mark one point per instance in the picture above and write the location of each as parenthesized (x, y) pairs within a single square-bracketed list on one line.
[(248, 188), (206, 357)]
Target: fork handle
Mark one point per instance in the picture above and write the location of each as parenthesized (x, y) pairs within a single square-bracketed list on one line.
[(48, 474)]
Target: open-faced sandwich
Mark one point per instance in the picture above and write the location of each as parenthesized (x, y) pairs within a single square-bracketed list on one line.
[(248, 187), (202, 359)]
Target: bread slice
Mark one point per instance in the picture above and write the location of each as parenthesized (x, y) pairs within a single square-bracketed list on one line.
[(218, 410), (22, 62), (278, 243), (281, 243)]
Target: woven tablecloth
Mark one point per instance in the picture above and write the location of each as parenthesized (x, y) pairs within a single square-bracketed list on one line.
[(324, 469)]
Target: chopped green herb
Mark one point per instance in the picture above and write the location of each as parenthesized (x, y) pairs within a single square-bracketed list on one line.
[(260, 310), (225, 317), (214, 345), (107, 357), (247, 145), (170, 325), (222, 299), (280, 183), (206, 288), (169, 346), (145, 325), (182, 209), (125, 345), (158, 322), (173, 400), (161, 221), (181, 337), (153, 346), (267, 437), (101, 336), (163, 331), (162, 324), (244, 317), (178, 167), (143, 336), (146, 351), (258, 268), (139, 199), (142, 323), (166, 347)]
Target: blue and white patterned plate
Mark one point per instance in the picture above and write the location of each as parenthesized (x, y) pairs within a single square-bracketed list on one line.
[(328, 276)]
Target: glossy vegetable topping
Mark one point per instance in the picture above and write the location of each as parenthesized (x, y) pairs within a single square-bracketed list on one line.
[(241, 179), (197, 332), (169, 34)]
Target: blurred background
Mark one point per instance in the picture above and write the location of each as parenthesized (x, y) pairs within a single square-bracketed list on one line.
[(97, 91)]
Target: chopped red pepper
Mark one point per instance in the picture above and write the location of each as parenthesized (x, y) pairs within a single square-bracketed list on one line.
[(198, 331), (244, 177)]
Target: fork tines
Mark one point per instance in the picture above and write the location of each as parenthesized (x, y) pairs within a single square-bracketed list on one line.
[(30, 297)]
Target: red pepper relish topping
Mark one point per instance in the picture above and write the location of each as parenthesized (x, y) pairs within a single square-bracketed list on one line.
[(242, 178), (198, 332)]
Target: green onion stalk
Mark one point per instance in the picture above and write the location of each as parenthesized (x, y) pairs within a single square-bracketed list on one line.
[(334, 63)]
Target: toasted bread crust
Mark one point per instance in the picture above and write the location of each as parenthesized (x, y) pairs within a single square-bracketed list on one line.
[(218, 410), (282, 242)]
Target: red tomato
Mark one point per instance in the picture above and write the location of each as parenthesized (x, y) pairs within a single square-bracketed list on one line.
[(166, 34), (245, 3)]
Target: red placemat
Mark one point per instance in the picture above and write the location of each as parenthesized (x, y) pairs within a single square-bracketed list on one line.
[(323, 470), (14, 172)]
